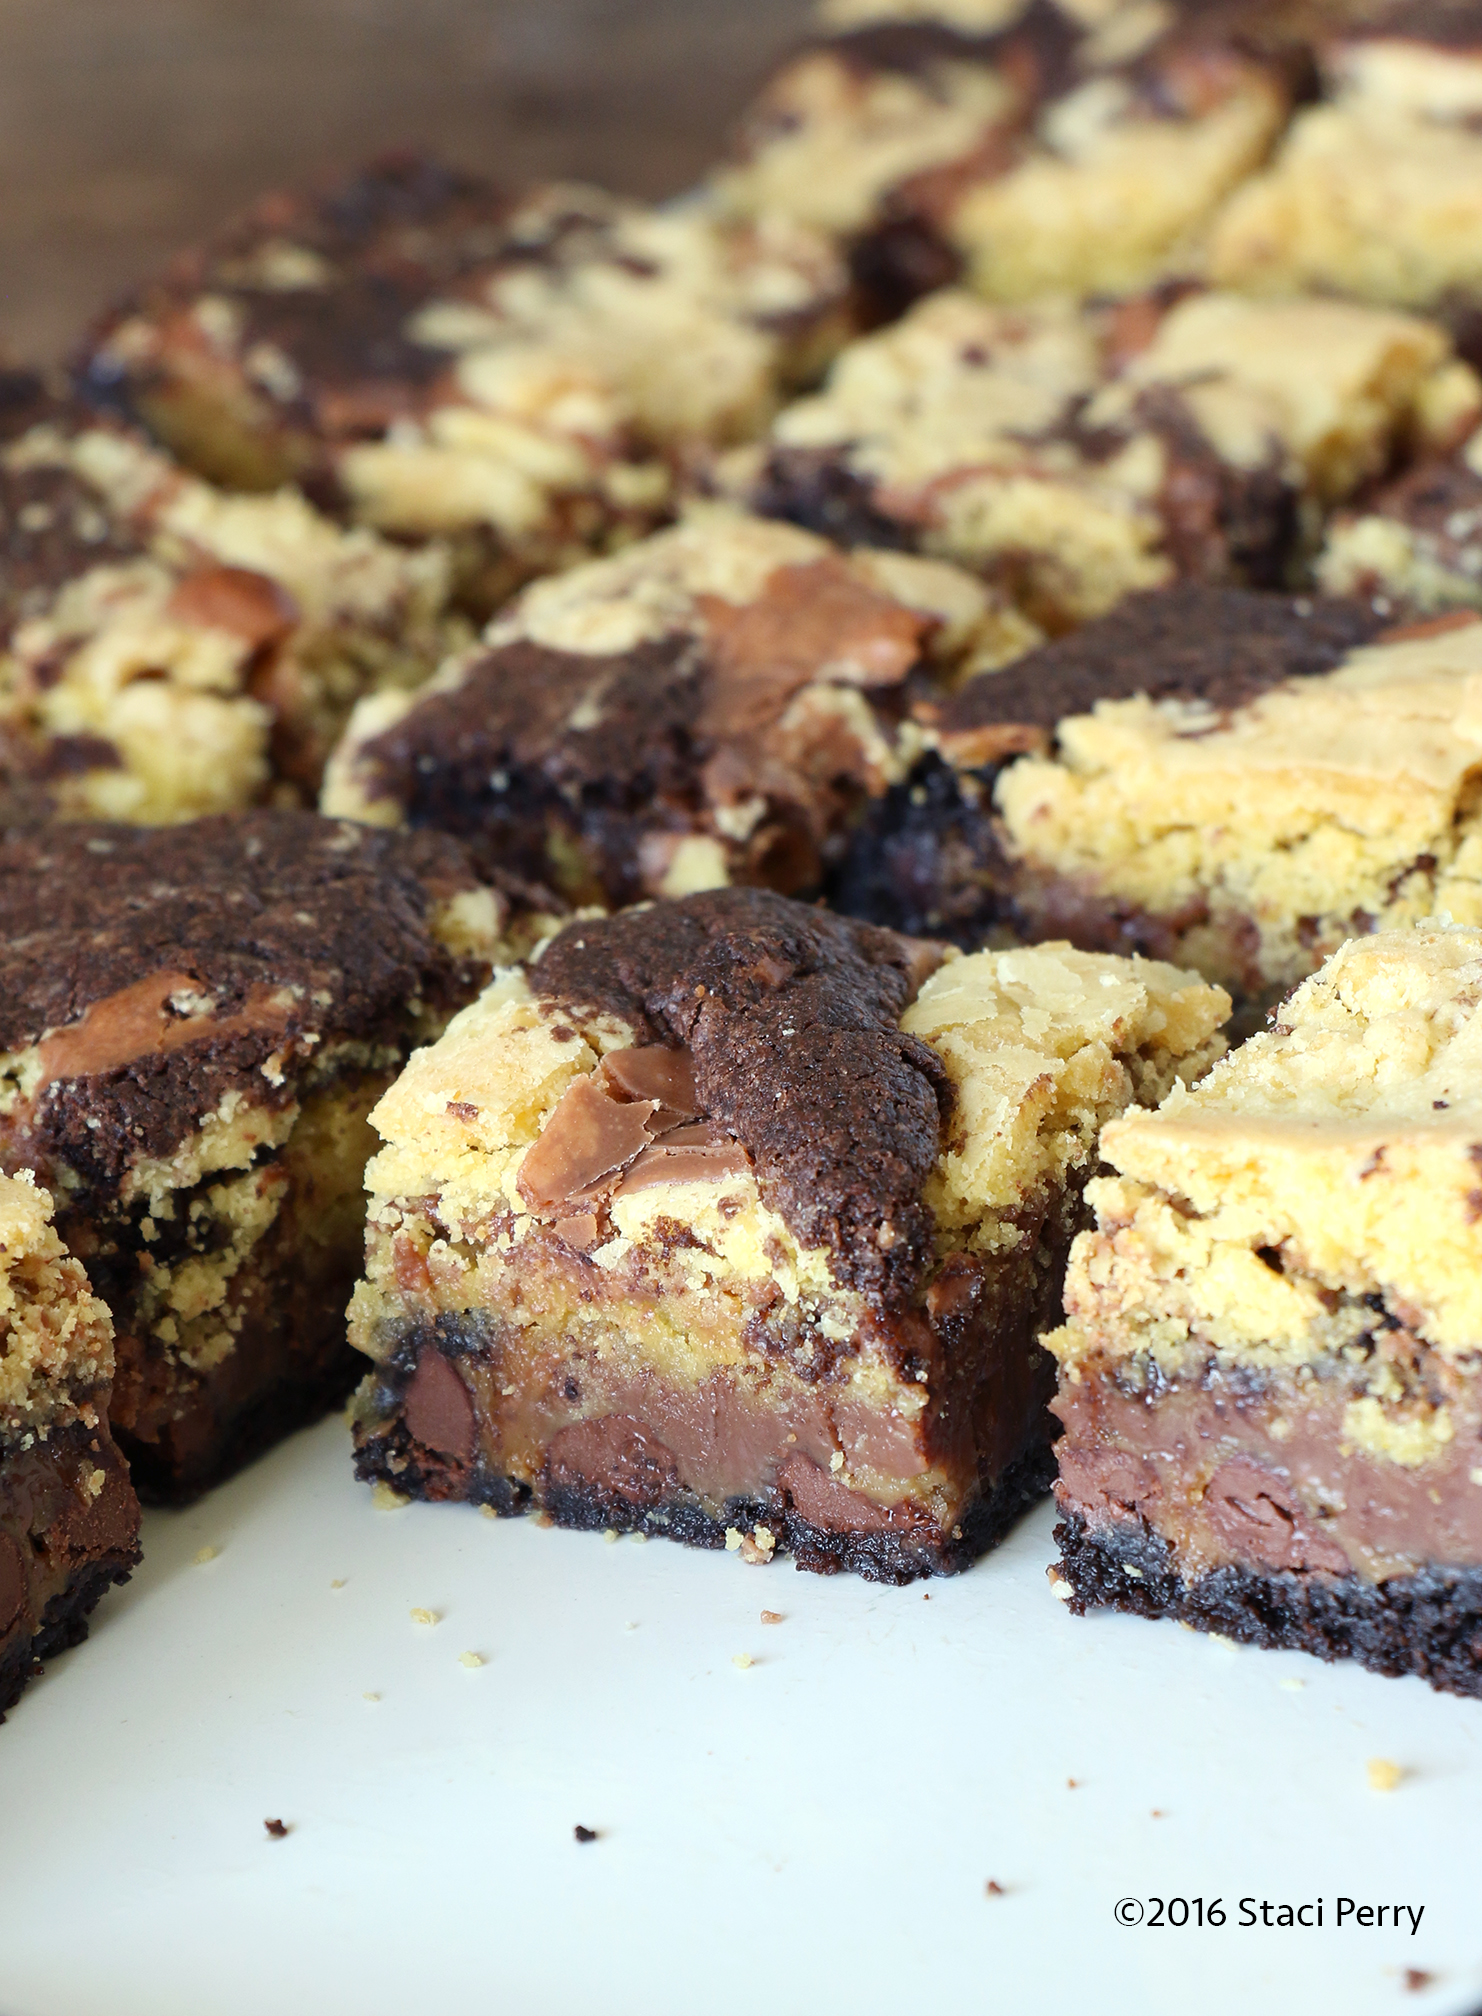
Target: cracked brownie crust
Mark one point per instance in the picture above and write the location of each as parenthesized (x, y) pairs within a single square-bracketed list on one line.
[(733, 1219)]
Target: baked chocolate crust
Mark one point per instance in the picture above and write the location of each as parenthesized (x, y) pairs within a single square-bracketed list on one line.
[(1194, 641), (393, 1457), (926, 859), (63, 1545), (329, 919), (790, 1016), (1428, 1623), (53, 527)]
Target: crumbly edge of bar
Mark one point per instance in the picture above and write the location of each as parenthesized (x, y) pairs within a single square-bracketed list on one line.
[(392, 1458), (1428, 1623), (56, 1340), (64, 1624)]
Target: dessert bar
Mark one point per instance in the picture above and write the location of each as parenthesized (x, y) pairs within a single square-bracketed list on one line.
[(196, 1021), (731, 1220), (69, 1520), (1417, 539), (1271, 1375), (713, 705), (435, 359), (1078, 454), (1030, 149), (167, 650)]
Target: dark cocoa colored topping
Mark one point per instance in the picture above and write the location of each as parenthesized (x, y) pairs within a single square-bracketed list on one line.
[(1192, 642), (791, 1016), (439, 1407), (1455, 25), (584, 1834), (666, 726), (53, 528), (169, 964), (816, 488), (1436, 498), (1036, 50)]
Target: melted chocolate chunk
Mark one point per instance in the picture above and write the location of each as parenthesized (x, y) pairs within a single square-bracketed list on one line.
[(815, 488), (172, 962), (790, 1015), (1192, 642)]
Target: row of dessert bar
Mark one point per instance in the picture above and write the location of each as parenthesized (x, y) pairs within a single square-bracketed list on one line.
[(731, 1218), (1196, 296)]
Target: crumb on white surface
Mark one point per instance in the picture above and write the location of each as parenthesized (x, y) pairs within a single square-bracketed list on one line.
[(370, 1697), (203, 1554), (610, 1534), (470, 1659), (742, 1660), (1384, 1774), (771, 1616), (385, 1499), (421, 1616), (1060, 1589), (1292, 1686)]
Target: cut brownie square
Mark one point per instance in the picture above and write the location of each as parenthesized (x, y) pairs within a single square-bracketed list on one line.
[(69, 1520), (1033, 148), (1417, 540), (167, 650), (734, 1221), (1169, 779), (195, 1022), (437, 359), (713, 705), (1376, 191), (1077, 455), (1271, 1375)]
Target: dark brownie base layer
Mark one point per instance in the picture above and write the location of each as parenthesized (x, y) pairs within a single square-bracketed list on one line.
[(65, 1538), (1429, 1623), (393, 1457)]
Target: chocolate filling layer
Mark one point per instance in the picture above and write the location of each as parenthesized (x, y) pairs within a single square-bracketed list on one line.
[(69, 1528)]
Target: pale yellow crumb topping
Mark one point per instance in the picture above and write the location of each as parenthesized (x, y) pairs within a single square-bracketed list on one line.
[(1325, 797), (1377, 193), (1115, 196), (56, 1337), (1324, 1170)]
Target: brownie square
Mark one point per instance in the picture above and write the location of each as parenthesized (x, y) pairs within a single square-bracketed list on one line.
[(1075, 455), (1269, 1375), (196, 1022), (1237, 782), (714, 705), (69, 1520), (1032, 149), (435, 358), (734, 1221), (167, 650), (1376, 191)]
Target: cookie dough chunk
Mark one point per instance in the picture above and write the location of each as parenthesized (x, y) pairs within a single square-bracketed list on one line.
[(196, 1022), (1418, 542), (515, 375), (733, 1221), (1377, 190), (714, 705), (69, 1520), (167, 650), (1030, 149), (1271, 1375), (1079, 454)]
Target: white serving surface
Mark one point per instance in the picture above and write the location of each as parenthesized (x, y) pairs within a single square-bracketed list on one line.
[(814, 1832)]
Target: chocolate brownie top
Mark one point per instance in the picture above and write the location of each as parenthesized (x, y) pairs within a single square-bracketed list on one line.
[(170, 964), (1037, 47), (1221, 645), (53, 526), (1430, 498), (791, 1018)]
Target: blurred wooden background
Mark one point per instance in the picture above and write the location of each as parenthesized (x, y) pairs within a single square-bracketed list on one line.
[(129, 126)]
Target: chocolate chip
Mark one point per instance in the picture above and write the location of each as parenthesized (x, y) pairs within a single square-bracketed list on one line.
[(585, 1833), (588, 1136), (438, 1407)]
